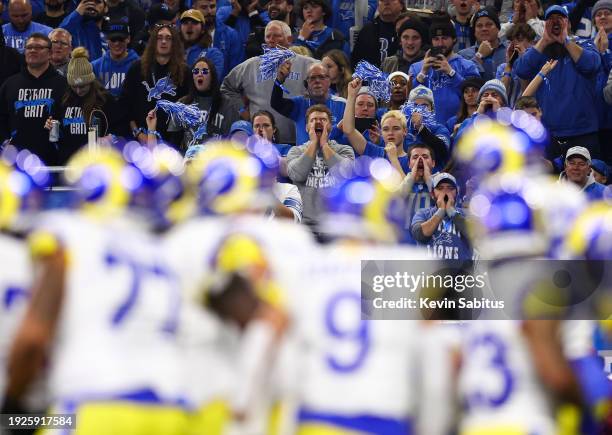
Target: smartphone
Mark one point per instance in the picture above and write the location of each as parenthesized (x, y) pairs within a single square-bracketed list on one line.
[(436, 51), (514, 57), (364, 124)]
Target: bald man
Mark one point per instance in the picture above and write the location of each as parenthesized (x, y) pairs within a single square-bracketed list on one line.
[(21, 25)]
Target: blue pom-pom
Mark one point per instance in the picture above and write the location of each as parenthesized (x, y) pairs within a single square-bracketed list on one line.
[(187, 116), (429, 118), (378, 84), (271, 60)]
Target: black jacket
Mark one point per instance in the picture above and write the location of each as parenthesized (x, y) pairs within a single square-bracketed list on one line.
[(134, 96), (74, 127), (375, 42), (25, 104)]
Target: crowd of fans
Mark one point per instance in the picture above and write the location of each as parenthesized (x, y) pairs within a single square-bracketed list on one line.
[(106, 63)]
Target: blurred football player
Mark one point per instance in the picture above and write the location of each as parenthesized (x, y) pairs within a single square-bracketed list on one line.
[(515, 374), (22, 179), (104, 308), (355, 375), (228, 257)]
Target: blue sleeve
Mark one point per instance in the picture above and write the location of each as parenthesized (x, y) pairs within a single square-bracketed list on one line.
[(236, 50), (589, 62), (529, 64), (96, 67), (412, 72), (216, 56), (223, 12), (72, 22), (300, 106), (468, 69), (422, 215), (500, 71), (372, 6), (372, 150), (464, 126)]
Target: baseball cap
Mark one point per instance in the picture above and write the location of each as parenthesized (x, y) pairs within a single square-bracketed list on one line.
[(601, 167), (159, 12), (116, 29), (556, 9), (443, 176), (241, 126), (193, 14), (578, 151)]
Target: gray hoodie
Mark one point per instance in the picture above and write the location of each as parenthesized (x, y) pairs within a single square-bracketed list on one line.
[(310, 174), (245, 80)]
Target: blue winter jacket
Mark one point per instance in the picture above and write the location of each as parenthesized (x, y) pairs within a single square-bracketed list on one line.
[(490, 63), (446, 89), (85, 33), (112, 73), (605, 113), (568, 93)]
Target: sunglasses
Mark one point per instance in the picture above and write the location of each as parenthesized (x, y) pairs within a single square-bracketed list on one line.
[(196, 71)]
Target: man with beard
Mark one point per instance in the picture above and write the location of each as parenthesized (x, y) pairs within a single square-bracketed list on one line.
[(568, 100), (489, 52), (28, 98), (414, 37), (464, 9), (378, 39), (197, 41), (317, 90), (224, 38), (85, 26), (21, 26), (280, 10), (61, 48), (443, 72), (129, 12), (54, 13)]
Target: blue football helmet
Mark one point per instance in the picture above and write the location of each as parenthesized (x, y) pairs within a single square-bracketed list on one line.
[(495, 147), (364, 202), (23, 180), (228, 177), (522, 216)]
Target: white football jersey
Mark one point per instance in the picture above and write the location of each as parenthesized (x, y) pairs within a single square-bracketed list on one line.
[(15, 281), (199, 249), (349, 366), (117, 332), (498, 383)]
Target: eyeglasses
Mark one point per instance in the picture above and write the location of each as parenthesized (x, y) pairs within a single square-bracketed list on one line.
[(37, 47), (58, 42), (203, 71), (314, 78)]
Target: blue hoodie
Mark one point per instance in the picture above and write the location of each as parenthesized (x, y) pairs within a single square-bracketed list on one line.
[(214, 54), (242, 25), (112, 73), (226, 40), (85, 33), (446, 89), (568, 94), (17, 40)]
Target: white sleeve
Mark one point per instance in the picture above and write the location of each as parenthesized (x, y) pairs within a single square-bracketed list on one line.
[(289, 195)]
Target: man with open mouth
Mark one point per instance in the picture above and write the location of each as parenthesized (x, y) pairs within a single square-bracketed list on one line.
[(567, 100)]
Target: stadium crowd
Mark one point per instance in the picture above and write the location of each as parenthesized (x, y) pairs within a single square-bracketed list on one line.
[(201, 259)]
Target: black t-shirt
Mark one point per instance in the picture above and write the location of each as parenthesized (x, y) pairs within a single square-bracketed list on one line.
[(52, 22)]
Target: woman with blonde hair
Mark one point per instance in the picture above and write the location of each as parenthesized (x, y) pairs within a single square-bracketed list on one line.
[(340, 72)]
